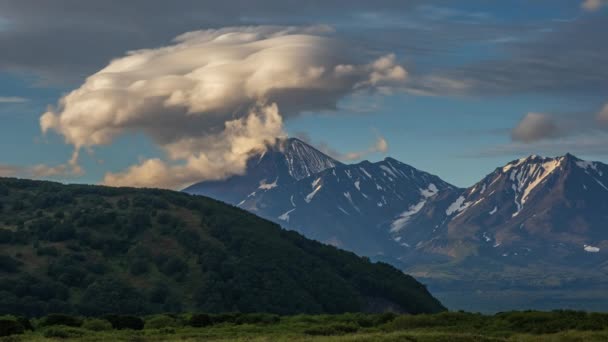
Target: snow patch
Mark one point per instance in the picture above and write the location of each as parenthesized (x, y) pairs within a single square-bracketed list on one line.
[(583, 164), (430, 191), (405, 217), (365, 172), (285, 215), (486, 237), (311, 195), (344, 211), (458, 206), (357, 185), (388, 169), (494, 210), (268, 186), (600, 183)]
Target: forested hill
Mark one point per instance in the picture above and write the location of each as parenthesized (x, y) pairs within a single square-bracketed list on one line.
[(95, 250)]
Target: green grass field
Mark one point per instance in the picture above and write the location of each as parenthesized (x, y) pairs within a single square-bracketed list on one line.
[(511, 326)]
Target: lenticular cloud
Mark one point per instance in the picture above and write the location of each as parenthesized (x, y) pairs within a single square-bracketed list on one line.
[(214, 96)]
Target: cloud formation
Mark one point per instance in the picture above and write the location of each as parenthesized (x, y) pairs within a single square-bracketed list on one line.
[(12, 99), (213, 97), (593, 5), (380, 145), (602, 116), (534, 127)]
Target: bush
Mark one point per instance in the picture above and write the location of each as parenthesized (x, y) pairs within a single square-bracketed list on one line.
[(111, 296), (258, 318), (8, 264), (60, 319), (125, 322), (61, 331), (10, 326), (161, 321), (333, 329), (228, 317), (50, 251), (200, 320), (25, 323), (96, 324)]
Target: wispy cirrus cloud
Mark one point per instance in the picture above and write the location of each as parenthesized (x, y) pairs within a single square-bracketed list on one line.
[(13, 99)]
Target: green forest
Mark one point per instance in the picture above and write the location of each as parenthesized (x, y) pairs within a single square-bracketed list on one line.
[(92, 250)]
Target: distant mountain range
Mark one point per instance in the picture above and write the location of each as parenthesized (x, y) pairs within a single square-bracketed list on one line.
[(536, 224), (348, 206)]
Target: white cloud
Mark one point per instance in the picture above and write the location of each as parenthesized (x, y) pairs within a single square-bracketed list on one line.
[(12, 99), (213, 96), (379, 146)]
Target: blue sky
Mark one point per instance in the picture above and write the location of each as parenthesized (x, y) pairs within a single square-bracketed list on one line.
[(475, 70)]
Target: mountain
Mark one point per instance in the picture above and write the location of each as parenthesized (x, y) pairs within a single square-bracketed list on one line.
[(344, 205), (533, 206), (94, 250), (536, 223), (285, 162)]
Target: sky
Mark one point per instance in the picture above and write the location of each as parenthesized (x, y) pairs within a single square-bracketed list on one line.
[(163, 94)]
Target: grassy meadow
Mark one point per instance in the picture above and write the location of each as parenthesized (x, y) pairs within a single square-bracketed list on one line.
[(447, 326)]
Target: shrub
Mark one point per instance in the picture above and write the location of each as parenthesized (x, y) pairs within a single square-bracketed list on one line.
[(10, 326), (50, 251), (96, 324), (61, 331), (333, 329), (25, 323), (125, 322), (227, 317), (161, 321), (258, 318), (61, 319), (200, 320), (8, 264)]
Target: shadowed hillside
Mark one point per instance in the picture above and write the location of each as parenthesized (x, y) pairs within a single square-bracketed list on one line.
[(95, 250)]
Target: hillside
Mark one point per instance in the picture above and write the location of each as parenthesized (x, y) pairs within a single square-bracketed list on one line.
[(95, 250)]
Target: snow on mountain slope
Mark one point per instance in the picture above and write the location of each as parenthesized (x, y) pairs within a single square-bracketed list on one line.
[(361, 207), (529, 206), (287, 161)]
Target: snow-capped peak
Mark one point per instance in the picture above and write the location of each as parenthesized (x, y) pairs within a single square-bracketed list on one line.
[(304, 160)]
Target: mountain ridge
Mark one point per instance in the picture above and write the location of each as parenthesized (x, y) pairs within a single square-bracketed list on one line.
[(531, 214)]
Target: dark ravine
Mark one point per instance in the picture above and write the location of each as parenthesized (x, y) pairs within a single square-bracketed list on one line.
[(535, 225), (94, 250)]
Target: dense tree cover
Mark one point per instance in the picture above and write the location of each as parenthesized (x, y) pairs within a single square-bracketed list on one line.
[(94, 250)]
